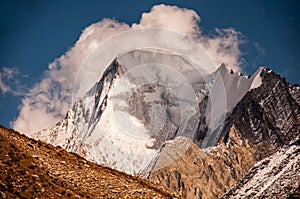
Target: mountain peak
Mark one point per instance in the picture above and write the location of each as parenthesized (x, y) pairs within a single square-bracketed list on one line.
[(150, 103)]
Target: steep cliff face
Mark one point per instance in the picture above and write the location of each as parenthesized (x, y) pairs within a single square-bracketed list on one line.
[(192, 172), (234, 86)]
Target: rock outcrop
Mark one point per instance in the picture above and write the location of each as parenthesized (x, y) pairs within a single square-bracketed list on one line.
[(192, 172)]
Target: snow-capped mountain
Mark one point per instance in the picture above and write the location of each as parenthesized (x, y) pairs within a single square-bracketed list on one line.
[(120, 124), (148, 101)]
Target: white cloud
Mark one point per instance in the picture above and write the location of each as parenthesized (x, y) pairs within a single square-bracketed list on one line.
[(224, 47), (9, 81), (47, 102), (172, 17), (3, 87)]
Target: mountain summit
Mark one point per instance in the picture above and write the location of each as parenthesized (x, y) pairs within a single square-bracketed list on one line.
[(123, 122)]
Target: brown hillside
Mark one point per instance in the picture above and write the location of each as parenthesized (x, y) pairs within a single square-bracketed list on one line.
[(32, 169)]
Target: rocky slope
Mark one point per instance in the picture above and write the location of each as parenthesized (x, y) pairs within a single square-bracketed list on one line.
[(32, 169), (276, 176)]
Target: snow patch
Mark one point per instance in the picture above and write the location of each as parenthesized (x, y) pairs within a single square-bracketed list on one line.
[(257, 81)]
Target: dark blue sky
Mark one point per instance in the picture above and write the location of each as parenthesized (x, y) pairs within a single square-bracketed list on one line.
[(34, 33)]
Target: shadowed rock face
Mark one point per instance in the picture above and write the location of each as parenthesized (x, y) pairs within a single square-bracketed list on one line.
[(156, 104)]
